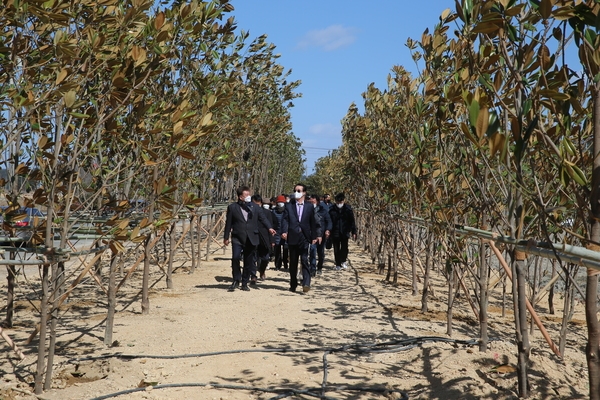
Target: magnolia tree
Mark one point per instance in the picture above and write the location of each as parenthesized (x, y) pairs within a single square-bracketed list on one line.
[(104, 103), (497, 132)]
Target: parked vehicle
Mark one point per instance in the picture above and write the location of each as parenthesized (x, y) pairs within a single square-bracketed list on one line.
[(16, 224)]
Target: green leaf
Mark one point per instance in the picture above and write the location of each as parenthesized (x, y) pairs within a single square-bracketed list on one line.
[(577, 174), (590, 37), (417, 139), (473, 112), (512, 33), (527, 106), (79, 115)]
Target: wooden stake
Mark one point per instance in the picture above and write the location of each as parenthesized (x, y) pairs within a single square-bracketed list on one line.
[(534, 315)]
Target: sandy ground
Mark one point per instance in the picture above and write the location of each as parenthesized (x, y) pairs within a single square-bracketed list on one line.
[(353, 336)]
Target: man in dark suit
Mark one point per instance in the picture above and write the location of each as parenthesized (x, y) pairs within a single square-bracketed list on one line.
[(300, 227), (242, 223)]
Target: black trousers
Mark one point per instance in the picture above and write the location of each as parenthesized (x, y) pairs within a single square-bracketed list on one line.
[(248, 250), (281, 254), (262, 255), (340, 249), (299, 250), (320, 254)]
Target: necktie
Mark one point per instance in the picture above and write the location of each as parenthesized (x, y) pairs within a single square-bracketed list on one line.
[(246, 208), (300, 209)]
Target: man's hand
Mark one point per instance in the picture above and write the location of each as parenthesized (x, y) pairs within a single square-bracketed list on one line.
[(226, 242), (354, 236), (273, 231), (319, 240), (284, 236), (327, 234)]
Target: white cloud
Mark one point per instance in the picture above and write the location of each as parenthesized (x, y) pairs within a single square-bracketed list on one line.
[(324, 130), (331, 38)]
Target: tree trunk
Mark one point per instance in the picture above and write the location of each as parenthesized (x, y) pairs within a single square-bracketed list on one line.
[(591, 291), (428, 262), (534, 290), (112, 300), (192, 244), (209, 226), (568, 309), (58, 273), (413, 260), (199, 238), (39, 373), (11, 273), (483, 297), (395, 259), (451, 278), (172, 241), (522, 336), (551, 293), (147, 253)]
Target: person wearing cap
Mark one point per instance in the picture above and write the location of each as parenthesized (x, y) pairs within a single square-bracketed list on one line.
[(281, 249), (300, 227)]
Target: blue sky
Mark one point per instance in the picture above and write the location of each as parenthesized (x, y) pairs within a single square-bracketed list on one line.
[(336, 48)]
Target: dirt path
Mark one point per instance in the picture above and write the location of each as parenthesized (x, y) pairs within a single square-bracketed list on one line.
[(249, 331)]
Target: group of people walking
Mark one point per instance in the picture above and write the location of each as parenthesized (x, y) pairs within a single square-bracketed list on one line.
[(294, 230)]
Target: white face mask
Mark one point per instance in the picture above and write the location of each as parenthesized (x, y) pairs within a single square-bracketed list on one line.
[(315, 205), (280, 204), (298, 195), (248, 199), (266, 206), (287, 200), (340, 205)]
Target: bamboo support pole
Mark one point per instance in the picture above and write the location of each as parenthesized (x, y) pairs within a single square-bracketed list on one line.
[(138, 261), (186, 228), (209, 236), (90, 272), (534, 315), (468, 295), (12, 344)]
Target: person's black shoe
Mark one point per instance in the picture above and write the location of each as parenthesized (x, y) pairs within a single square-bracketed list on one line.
[(245, 288), (233, 286), (293, 290)]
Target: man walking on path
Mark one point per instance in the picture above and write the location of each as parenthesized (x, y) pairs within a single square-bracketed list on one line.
[(317, 250), (267, 241), (241, 222), (342, 227), (300, 228), (281, 248)]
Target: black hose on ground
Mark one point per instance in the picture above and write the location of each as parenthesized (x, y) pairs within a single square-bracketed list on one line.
[(384, 347), (390, 346), (287, 392)]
